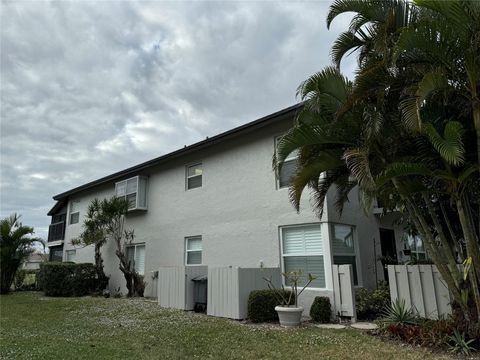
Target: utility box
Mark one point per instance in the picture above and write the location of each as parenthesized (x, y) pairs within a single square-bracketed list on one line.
[(200, 288)]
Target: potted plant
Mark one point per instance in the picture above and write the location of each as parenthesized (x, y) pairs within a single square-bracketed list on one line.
[(289, 314)]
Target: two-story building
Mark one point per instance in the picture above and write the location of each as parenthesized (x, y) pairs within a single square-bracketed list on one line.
[(219, 203)]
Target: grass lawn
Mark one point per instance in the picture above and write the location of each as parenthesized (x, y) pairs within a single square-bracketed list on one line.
[(37, 327)]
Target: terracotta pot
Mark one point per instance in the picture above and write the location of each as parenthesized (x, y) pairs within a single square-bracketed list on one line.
[(289, 316)]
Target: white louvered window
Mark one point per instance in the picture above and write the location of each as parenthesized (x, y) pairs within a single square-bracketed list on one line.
[(70, 255), (193, 250), (136, 255), (302, 250), (74, 216), (343, 247)]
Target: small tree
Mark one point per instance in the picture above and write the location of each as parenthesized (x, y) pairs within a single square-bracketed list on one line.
[(94, 234), (108, 222), (15, 247)]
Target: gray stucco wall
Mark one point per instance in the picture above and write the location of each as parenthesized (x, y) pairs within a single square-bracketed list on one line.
[(238, 211)]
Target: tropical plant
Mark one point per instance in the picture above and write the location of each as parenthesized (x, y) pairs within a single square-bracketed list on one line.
[(106, 220), (458, 343), (94, 233), (359, 133), (292, 279), (15, 247), (399, 313)]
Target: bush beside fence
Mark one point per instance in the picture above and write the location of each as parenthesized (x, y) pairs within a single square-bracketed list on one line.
[(67, 279)]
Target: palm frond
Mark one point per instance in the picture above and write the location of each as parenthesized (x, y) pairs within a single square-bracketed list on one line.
[(346, 43), (449, 146), (401, 170), (358, 163), (311, 171)]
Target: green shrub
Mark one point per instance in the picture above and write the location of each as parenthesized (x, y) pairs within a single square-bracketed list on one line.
[(399, 313), (371, 303), (67, 279), (321, 310), (20, 278), (261, 304)]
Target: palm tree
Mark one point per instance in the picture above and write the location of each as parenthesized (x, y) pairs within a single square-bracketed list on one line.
[(15, 247), (346, 139), (444, 45)]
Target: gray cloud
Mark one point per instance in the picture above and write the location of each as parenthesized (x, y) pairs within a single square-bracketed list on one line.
[(88, 88)]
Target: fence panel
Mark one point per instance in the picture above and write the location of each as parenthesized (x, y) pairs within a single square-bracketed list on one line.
[(422, 288), (171, 287), (229, 288), (343, 293)]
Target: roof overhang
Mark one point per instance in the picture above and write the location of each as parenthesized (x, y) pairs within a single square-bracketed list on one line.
[(241, 130)]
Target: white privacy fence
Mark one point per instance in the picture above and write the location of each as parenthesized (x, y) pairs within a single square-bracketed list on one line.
[(343, 293), (229, 288), (175, 286), (422, 288)]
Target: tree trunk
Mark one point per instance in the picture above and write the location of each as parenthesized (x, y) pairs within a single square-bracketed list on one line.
[(447, 250), (101, 277), (7, 274), (422, 227), (471, 243)]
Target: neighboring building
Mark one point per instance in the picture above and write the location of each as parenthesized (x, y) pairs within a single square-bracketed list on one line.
[(34, 260), (218, 203)]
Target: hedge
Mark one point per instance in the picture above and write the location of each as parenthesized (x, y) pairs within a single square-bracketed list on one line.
[(370, 304), (261, 304), (321, 310), (67, 279), (26, 279)]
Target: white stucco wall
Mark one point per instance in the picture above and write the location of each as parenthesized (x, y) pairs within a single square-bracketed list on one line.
[(238, 211)]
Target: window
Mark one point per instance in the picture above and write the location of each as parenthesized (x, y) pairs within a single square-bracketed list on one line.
[(70, 255), (134, 190), (288, 169), (193, 250), (194, 176), (56, 253), (416, 246), (343, 246), (74, 212), (136, 255), (302, 250)]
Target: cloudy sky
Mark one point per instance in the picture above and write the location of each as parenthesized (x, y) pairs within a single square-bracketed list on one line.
[(89, 88)]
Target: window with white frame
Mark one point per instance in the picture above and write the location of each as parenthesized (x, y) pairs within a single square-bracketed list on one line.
[(70, 255), (194, 176), (193, 250), (134, 191), (302, 250), (288, 169), (416, 246), (343, 247), (136, 255), (74, 216)]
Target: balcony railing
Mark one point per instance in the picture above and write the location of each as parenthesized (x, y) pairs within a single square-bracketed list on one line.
[(56, 231)]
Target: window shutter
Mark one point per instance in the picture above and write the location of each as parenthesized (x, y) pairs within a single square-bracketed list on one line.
[(303, 251), (194, 244), (194, 258), (313, 240), (293, 241)]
